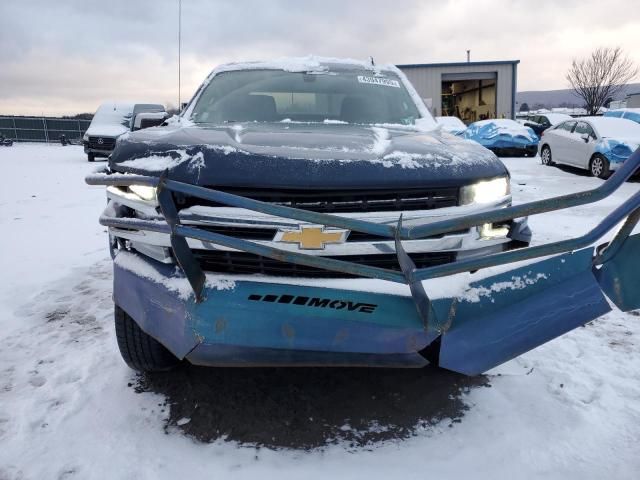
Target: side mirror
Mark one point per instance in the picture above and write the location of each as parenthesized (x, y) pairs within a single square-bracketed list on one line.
[(148, 119), (585, 137)]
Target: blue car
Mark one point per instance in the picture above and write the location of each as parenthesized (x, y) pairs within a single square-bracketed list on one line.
[(632, 114), (505, 138)]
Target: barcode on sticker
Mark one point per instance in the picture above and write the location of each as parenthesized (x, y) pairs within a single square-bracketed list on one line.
[(387, 82)]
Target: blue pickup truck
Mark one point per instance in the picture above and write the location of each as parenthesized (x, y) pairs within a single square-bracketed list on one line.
[(241, 229)]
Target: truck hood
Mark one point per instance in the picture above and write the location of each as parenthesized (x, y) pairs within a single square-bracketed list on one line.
[(296, 155)]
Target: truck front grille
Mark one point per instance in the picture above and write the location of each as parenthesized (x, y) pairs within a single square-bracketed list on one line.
[(343, 201), (107, 143), (267, 234), (248, 263)]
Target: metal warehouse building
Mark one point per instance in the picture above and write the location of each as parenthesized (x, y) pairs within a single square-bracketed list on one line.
[(470, 91)]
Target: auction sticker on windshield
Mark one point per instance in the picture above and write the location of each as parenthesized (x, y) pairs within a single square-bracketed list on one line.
[(387, 82)]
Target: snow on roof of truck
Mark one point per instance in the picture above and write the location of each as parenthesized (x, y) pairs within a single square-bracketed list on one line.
[(309, 64)]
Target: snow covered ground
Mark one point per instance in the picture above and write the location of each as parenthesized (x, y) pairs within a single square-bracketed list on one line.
[(570, 409)]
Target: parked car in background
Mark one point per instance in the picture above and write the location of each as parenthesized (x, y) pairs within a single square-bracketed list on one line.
[(628, 113), (452, 125), (597, 144), (539, 123), (112, 120), (5, 142), (504, 137)]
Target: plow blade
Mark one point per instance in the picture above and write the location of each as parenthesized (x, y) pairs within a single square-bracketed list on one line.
[(517, 311), (619, 277)]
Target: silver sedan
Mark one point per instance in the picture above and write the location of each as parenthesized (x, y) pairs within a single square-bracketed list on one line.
[(597, 144)]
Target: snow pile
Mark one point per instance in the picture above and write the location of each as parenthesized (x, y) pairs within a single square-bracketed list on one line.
[(381, 141), (516, 283), (451, 124), (408, 160), (237, 130), (173, 158), (158, 163), (178, 283)]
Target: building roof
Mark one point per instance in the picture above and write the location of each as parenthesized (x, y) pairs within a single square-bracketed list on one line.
[(458, 64)]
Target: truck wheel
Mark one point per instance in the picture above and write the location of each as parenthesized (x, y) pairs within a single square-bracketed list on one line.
[(91, 157), (139, 350), (599, 166), (546, 156)]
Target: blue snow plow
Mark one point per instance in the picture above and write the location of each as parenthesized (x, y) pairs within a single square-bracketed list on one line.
[(257, 321)]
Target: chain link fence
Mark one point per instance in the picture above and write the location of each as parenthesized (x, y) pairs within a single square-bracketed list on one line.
[(42, 129)]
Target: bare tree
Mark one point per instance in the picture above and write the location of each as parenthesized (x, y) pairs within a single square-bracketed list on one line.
[(601, 75)]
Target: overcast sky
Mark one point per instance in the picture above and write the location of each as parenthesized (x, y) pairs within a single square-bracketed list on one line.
[(67, 56)]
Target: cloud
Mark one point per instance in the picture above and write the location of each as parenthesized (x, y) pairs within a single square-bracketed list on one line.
[(66, 57)]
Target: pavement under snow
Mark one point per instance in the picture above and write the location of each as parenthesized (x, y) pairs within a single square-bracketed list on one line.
[(70, 408)]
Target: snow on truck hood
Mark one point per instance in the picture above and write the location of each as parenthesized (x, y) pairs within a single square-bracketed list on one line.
[(291, 155)]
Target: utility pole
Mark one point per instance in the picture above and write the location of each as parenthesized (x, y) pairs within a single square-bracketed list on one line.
[(179, 48)]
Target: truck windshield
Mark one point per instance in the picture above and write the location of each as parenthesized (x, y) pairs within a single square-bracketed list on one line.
[(275, 95)]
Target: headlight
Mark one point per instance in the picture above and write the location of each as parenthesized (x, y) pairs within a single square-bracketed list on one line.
[(144, 192), (85, 137), (486, 191)]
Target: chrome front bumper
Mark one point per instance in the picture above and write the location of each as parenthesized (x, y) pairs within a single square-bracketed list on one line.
[(466, 243)]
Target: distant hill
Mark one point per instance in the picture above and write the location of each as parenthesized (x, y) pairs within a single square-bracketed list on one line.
[(562, 98)]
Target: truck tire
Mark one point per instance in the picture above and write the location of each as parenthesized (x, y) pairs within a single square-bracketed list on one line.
[(91, 157), (139, 350)]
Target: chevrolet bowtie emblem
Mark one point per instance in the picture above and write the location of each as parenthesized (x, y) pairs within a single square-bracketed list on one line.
[(311, 237)]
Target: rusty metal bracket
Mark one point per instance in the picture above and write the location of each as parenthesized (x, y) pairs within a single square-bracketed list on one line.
[(184, 255), (408, 267), (607, 251)]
